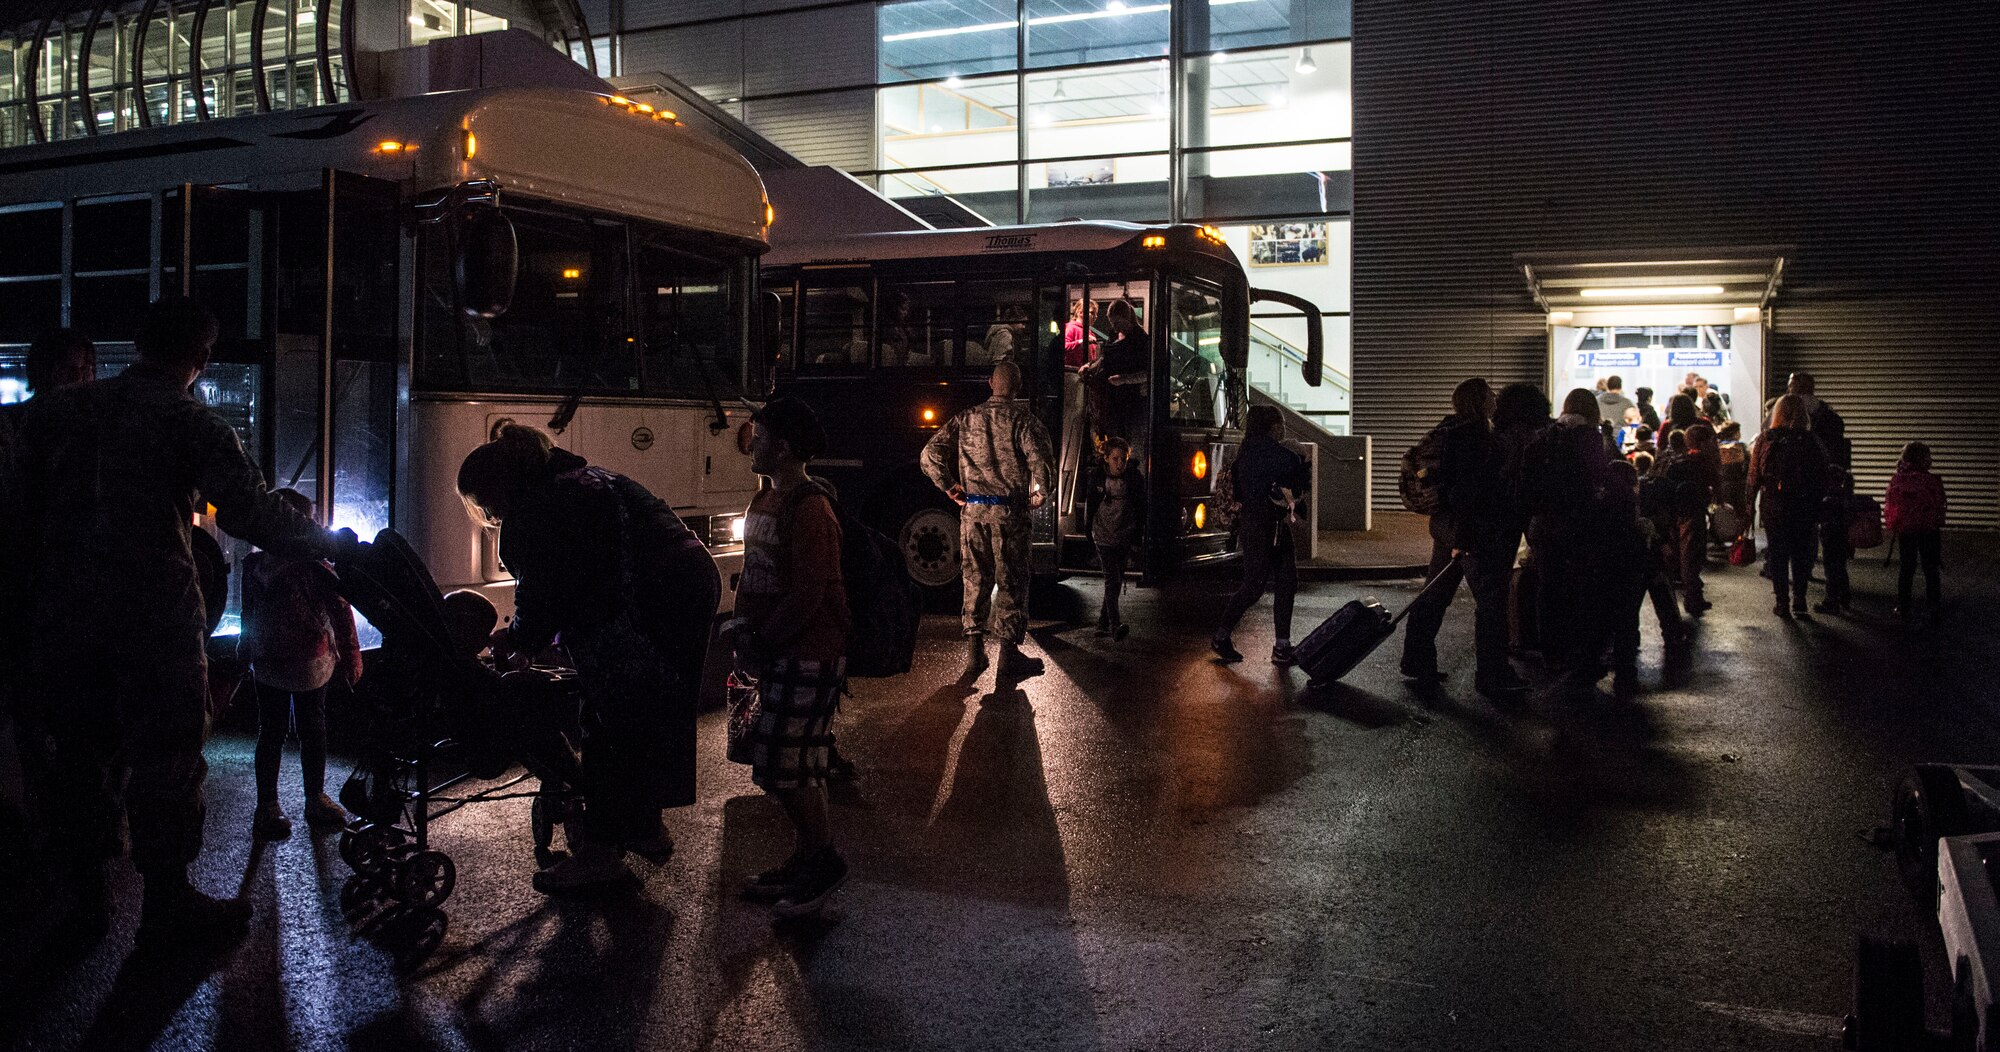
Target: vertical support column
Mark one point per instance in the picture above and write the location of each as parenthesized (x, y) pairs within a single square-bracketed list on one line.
[(68, 263), (323, 494), (1191, 108), (1020, 111)]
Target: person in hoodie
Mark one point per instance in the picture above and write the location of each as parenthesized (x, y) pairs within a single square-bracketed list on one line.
[(1269, 480), (1612, 403), (1693, 465), (1473, 527), (1566, 484), (608, 569), (1913, 510)]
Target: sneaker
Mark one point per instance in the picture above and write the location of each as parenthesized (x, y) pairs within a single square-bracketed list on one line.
[(322, 811), (1119, 631), (1103, 625), (270, 822), (1502, 692), (1784, 612), (1015, 664), (1420, 675), (1284, 656), (1223, 650), (589, 865), (1800, 612), (772, 884), (975, 657), (174, 913), (1698, 607), (819, 878)]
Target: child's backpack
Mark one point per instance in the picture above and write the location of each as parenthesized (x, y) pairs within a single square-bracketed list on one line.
[(1228, 506), (1421, 477), (883, 604), (1864, 522), (293, 630)]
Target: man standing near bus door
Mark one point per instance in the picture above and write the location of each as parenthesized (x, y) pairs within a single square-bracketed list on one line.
[(108, 479), (994, 461)]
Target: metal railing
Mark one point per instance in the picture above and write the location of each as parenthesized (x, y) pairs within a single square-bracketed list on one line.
[(1274, 370)]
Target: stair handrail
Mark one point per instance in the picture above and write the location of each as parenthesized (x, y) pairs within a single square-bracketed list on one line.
[(1285, 348)]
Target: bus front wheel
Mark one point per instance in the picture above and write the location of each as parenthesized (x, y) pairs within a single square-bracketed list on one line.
[(928, 536)]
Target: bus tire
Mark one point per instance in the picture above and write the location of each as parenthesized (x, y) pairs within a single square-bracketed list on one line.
[(927, 532), (1928, 804)]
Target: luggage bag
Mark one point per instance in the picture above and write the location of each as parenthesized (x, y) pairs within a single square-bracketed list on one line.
[(1356, 629)]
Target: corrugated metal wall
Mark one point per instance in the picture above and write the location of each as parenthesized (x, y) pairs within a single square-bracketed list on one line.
[(1861, 134)]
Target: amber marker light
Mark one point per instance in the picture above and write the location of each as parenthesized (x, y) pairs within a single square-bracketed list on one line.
[(1154, 241), (1199, 465), (392, 146), (770, 214), (572, 273), (1201, 516), (929, 415), (471, 146)]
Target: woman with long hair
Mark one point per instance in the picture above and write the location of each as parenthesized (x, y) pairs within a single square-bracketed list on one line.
[(1788, 479), (611, 571)]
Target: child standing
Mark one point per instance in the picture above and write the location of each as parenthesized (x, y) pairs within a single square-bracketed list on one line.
[(1120, 510), (298, 633), (1914, 512), (1835, 549)]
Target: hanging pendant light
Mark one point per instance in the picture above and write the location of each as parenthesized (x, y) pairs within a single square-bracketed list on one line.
[(1060, 93), (1306, 63)]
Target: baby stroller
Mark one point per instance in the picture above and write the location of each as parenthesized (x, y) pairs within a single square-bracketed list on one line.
[(432, 718)]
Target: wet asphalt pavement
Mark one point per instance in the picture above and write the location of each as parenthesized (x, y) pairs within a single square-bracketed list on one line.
[(1145, 850)]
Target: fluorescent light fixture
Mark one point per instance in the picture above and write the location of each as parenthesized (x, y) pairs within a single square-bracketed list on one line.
[(1116, 7), (1748, 316), (308, 17), (1220, 56), (1640, 291)]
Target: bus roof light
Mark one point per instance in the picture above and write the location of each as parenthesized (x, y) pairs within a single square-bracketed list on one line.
[(471, 146), (1154, 241), (392, 146)]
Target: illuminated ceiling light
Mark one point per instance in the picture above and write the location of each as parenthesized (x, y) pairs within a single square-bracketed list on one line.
[(1306, 63), (1220, 56), (954, 81), (1278, 100), (1116, 7), (1630, 291)]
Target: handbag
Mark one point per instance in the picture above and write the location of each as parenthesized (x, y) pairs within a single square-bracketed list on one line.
[(745, 709), (1744, 551)]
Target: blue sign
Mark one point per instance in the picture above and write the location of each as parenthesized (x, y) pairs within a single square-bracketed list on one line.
[(1695, 359), (1608, 360)]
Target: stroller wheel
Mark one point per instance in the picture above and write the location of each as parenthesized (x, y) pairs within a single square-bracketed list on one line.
[(359, 892), (374, 849), (542, 816), (426, 879)]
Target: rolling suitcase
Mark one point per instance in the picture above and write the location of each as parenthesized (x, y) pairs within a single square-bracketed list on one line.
[(1355, 630)]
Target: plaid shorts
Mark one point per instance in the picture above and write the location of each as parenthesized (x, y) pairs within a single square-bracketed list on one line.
[(790, 735)]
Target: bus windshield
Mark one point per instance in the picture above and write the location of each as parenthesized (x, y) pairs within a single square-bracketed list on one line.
[(1198, 391), (601, 306)]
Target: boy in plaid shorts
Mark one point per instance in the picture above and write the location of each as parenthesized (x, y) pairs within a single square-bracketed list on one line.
[(790, 630)]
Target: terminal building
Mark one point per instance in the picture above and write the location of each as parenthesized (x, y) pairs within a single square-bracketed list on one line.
[(1546, 192)]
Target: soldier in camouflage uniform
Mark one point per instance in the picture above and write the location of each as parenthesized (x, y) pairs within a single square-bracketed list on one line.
[(109, 476), (994, 461)]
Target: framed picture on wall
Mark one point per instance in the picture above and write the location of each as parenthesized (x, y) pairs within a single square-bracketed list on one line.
[(1288, 245), (1080, 173)]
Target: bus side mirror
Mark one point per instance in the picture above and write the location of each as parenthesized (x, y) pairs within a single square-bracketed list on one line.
[(1313, 369), (488, 262)]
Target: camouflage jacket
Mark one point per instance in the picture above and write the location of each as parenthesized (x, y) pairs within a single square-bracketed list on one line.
[(108, 477), (998, 450)]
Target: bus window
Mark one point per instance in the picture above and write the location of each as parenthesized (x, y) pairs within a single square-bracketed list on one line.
[(834, 329), (996, 322), (1196, 391), (688, 303), (916, 328), (566, 330)]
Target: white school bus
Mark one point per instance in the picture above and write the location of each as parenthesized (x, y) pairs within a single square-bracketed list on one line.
[(396, 278)]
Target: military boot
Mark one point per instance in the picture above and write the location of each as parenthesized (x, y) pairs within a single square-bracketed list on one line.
[(975, 657), (1017, 665)]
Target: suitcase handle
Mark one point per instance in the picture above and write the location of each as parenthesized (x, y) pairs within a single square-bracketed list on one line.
[(1425, 592)]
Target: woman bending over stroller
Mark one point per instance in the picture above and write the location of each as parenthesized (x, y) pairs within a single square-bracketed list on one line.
[(631, 593)]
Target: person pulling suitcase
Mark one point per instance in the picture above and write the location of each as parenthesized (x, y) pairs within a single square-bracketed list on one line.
[(1266, 473)]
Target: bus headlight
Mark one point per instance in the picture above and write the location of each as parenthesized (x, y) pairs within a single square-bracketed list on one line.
[(1201, 514), (1199, 465)]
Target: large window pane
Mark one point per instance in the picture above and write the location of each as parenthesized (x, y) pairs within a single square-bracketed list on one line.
[(1128, 188), (949, 123), (1267, 180), (1098, 112), (1226, 24), (995, 316), (1197, 381), (689, 305), (1067, 32), (990, 193), (1268, 96), (926, 39)]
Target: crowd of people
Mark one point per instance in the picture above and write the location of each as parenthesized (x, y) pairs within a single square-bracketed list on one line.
[(1610, 525), (115, 601)]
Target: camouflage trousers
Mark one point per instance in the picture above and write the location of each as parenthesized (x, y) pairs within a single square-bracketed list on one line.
[(996, 570)]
